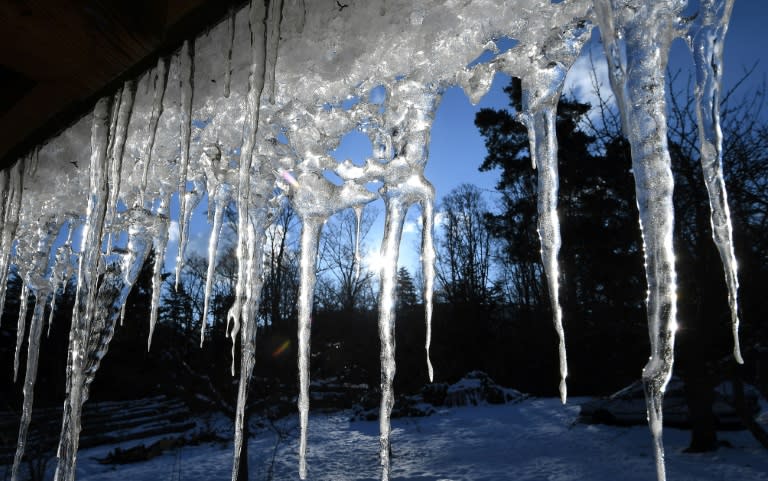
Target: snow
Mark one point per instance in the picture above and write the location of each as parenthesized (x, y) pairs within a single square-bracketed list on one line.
[(537, 439)]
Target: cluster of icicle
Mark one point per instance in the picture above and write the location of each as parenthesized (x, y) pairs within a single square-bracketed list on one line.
[(248, 112)]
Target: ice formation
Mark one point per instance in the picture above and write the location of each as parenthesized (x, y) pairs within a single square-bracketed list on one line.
[(248, 113)]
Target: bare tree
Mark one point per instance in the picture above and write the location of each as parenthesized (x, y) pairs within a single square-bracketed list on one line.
[(345, 283), (464, 248), (281, 274)]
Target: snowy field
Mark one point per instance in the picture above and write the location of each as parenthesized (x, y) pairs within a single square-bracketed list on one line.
[(537, 439)]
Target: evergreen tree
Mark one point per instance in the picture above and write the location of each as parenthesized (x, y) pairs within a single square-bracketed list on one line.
[(601, 260), (407, 296)]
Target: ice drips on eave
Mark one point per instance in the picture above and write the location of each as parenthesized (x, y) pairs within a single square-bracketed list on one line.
[(249, 111)]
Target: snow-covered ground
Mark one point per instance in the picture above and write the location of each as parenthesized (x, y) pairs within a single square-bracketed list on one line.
[(537, 439)]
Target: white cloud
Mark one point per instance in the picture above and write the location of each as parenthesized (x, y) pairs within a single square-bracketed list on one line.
[(412, 226), (173, 231), (588, 76), (440, 219)]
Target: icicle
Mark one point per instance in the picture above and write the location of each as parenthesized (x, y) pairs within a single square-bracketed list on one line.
[(228, 65), (160, 243), (89, 267), (265, 34), (11, 208), (160, 82), (62, 270), (310, 239), (428, 269), (122, 117), (647, 31), (390, 248), (275, 18), (192, 199), (249, 328), (33, 353), (187, 67), (707, 43), (358, 220), (21, 327), (213, 245), (543, 138)]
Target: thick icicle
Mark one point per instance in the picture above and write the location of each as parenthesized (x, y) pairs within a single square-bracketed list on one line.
[(187, 76), (89, 267), (310, 239), (648, 30), (707, 45), (257, 225), (390, 249), (257, 22)]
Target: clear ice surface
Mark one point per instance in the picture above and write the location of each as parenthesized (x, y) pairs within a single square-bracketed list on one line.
[(247, 113)]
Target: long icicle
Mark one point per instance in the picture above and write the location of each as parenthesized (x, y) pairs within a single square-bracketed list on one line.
[(642, 103), (11, 210), (85, 294), (428, 271), (20, 327), (707, 43), (213, 245), (310, 239), (160, 242), (187, 67), (255, 281), (160, 83), (258, 26), (358, 221), (543, 138), (123, 117), (390, 249), (30, 376)]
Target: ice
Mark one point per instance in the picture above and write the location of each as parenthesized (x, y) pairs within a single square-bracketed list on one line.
[(246, 114), (396, 207), (187, 69), (159, 242), (706, 40), (11, 182), (428, 270), (636, 68), (310, 237)]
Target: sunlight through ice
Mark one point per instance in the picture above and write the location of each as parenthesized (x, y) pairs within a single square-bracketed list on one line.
[(248, 113)]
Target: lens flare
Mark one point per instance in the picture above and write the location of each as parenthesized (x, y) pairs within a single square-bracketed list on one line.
[(281, 348)]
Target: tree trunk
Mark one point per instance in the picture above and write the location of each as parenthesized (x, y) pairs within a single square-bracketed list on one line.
[(741, 408), (699, 393)]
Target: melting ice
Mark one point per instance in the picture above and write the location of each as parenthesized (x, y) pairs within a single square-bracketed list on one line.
[(205, 121)]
